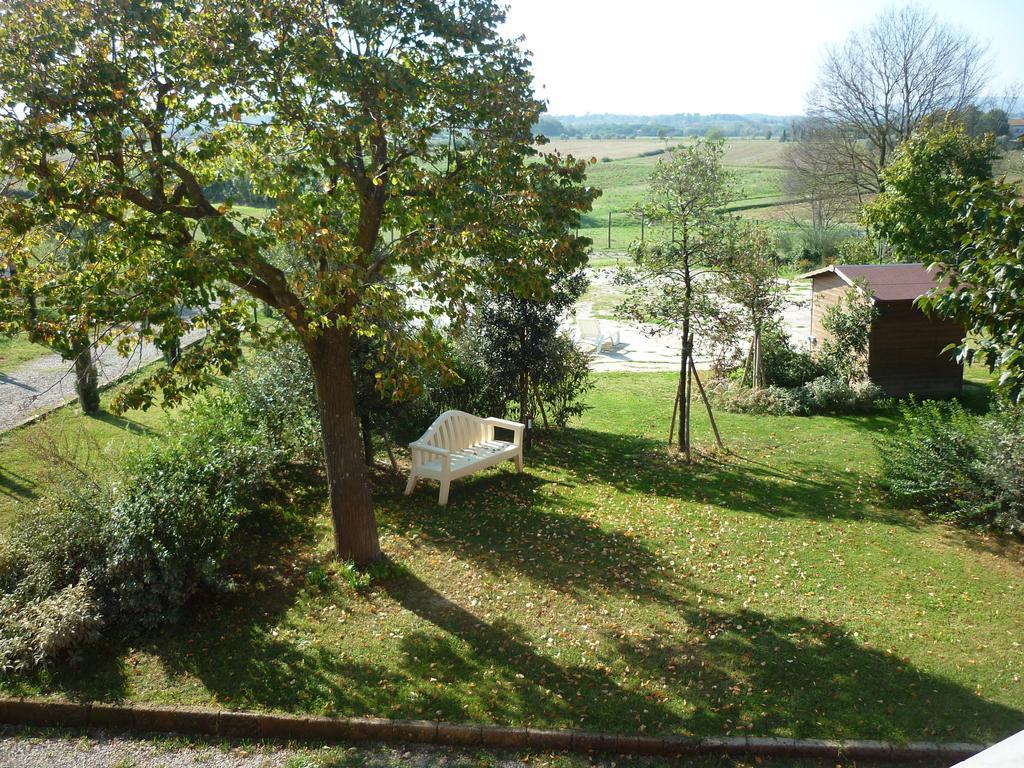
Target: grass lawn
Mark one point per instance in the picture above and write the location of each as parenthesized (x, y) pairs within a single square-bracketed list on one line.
[(36, 457), (771, 592), (17, 350)]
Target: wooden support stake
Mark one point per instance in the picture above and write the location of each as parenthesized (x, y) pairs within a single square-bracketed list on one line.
[(391, 453), (689, 411), (675, 410), (540, 404), (707, 404)]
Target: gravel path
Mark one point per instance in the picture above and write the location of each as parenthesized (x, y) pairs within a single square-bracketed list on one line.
[(48, 382), (98, 750)]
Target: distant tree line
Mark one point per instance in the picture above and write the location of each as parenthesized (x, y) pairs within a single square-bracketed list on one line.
[(661, 126)]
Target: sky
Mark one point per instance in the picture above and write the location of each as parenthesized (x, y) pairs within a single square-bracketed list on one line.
[(708, 56)]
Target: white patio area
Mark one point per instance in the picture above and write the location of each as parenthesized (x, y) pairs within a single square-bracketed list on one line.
[(625, 347)]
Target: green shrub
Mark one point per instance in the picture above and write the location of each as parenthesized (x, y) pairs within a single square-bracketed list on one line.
[(275, 394), (171, 523), (956, 465), (132, 553), (1000, 471), (565, 379), (36, 630), (782, 365), (738, 398), (822, 395), (844, 353), (826, 394)]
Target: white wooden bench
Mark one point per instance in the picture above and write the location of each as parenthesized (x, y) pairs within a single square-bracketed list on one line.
[(458, 444)]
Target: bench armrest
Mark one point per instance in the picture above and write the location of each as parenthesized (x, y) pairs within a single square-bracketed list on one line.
[(417, 458), (516, 427), (504, 423)]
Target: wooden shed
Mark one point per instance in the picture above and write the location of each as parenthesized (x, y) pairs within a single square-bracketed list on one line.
[(905, 350)]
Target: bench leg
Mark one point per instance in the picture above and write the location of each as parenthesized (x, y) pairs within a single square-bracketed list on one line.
[(442, 496), (519, 462), (411, 485)]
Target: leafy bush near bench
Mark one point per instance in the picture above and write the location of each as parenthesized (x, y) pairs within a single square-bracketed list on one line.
[(129, 554), (958, 466)]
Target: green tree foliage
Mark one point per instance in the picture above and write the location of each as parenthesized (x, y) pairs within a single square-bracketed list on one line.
[(845, 353), (531, 364), (941, 206), (917, 211), (748, 276), (994, 122), (984, 280), (549, 126), (666, 285), (119, 115)]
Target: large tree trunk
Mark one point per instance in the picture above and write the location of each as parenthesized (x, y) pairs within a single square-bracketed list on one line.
[(355, 526), (86, 379)]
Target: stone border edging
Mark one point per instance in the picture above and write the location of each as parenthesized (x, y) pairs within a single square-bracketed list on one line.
[(258, 725)]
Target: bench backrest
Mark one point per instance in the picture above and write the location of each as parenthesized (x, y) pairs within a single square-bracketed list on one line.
[(456, 430)]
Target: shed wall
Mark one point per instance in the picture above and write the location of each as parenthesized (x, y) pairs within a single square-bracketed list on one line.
[(826, 291), (905, 353)]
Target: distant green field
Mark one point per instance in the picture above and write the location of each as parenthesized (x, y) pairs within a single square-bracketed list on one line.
[(623, 168), (623, 178)]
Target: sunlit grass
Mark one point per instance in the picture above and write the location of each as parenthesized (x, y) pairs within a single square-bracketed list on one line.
[(772, 590), (17, 350)]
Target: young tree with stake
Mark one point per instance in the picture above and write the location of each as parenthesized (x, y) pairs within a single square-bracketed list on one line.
[(122, 112), (747, 275), (668, 285)]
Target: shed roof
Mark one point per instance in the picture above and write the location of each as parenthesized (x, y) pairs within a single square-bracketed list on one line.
[(1016, 121), (887, 282)]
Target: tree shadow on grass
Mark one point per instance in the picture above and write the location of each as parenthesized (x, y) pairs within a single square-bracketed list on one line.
[(633, 464), (507, 522), (713, 671), (976, 397), (790, 675), (124, 423), (99, 673), (16, 485), (874, 423), (520, 684), (731, 673)]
